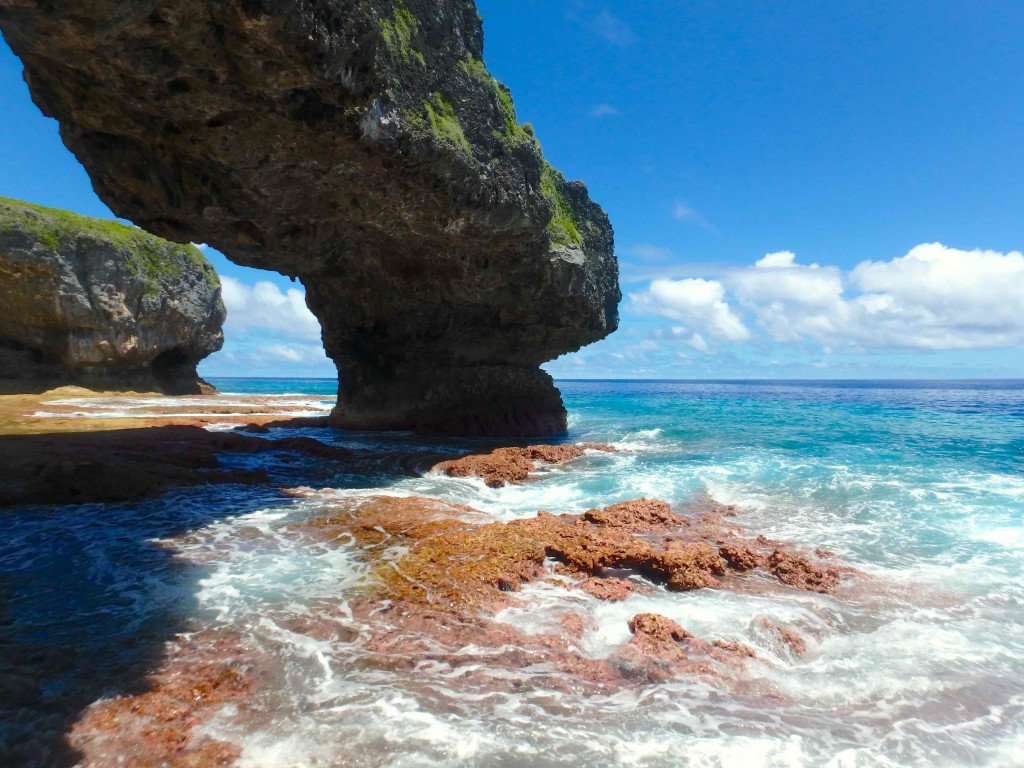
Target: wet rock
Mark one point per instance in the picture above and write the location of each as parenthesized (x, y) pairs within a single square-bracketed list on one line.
[(739, 557), (156, 728), (785, 637), (656, 629), (662, 650), (364, 148), (442, 572), (450, 559), (514, 465), (121, 465), (99, 304), (299, 422), (801, 573), (609, 589), (639, 515), (692, 566), (734, 648)]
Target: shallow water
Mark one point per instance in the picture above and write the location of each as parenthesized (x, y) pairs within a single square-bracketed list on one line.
[(918, 661)]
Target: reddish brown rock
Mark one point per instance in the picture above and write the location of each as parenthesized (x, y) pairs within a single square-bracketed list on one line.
[(801, 573), (789, 638), (610, 589), (662, 650), (692, 566), (640, 515), (156, 728), (734, 648), (513, 465), (657, 629), (740, 557), (442, 571)]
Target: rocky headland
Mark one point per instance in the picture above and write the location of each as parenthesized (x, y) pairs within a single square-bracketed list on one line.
[(364, 148), (100, 304)]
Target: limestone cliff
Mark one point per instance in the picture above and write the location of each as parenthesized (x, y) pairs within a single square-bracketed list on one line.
[(98, 303), (363, 147)]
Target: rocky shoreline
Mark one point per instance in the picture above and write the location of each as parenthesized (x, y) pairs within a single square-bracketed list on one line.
[(440, 577)]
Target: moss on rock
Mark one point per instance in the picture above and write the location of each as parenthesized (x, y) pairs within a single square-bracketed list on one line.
[(398, 32), (444, 122), (563, 228), (152, 257)]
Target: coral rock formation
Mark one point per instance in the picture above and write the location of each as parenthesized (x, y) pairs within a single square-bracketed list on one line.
[(513, 465), (364, 148), (450, 561), (441, 573), (101, 304)]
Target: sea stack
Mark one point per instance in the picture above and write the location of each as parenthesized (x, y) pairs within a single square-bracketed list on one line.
[(101, 304), (364, 148)]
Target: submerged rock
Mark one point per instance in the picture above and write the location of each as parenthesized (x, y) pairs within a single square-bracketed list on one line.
[(101, 304), (364, 148)]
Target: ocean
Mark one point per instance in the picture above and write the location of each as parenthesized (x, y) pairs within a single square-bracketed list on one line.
[(917, 660)]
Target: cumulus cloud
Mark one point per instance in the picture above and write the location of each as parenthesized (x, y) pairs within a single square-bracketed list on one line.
[(789, 300), (944, 298), (933, 298), (265, 306), (697, 303)]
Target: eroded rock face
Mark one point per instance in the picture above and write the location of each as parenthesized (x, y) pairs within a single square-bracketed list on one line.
[(364, 148), (97, 303)]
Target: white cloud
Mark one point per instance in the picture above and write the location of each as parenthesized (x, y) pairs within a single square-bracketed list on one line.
[(790, 300), (265, 306), (685, 335), (650, 252), (684, 212), (943, 298), (604, 110), (613, 29), (302, 354), (699, 304), (933, 298)]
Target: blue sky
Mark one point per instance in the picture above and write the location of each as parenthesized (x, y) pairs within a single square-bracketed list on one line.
[(798, 189)]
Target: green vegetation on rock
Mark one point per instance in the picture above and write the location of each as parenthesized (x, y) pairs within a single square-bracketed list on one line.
[(563, 228), (444, 122), (512, 132), (154, 258), (398, 32)]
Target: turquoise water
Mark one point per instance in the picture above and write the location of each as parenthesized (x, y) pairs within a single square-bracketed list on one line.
[(916, 661)]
